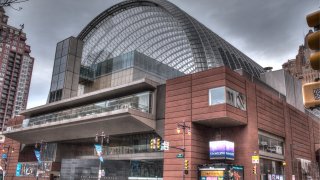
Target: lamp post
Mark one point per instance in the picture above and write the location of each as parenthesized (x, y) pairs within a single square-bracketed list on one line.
[(101, 136), (5, 155), (41, 146), (183, 127)]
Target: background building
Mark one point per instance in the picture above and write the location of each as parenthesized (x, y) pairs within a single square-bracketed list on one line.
[(133, 74), (16, 70), (300, 66)]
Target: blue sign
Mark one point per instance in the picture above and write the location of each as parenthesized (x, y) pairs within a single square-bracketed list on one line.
[(99, 151), (18, 170), (4, 156), (221, 150), (38, 155)]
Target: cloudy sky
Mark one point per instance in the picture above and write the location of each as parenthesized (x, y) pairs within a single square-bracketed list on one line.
[(267, 31)]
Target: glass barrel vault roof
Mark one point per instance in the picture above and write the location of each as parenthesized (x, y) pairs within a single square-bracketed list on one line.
[(162, 31)]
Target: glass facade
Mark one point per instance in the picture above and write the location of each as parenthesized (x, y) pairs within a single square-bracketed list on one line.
[(80, 169), (129, 60), (123, 157), (163, 32), (65, 75), (141, 102)]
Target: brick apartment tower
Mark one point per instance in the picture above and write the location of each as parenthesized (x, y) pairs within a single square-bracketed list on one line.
[(16, 70)]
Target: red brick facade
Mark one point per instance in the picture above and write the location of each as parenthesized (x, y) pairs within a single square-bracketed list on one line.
[(187, 99)]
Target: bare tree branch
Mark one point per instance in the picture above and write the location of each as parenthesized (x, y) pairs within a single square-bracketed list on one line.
[(10, 3)]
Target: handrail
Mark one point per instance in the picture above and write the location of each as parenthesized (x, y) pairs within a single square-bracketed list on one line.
[(55, 117)]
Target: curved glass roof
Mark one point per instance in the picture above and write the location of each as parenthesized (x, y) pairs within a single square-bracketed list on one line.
[(162, 31)]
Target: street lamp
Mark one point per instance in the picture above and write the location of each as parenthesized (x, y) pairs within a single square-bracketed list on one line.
[(183, 127), (101, 136), (41, 148), (5, 155)]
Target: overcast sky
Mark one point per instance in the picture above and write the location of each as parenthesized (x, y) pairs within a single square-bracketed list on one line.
[(269, 31)]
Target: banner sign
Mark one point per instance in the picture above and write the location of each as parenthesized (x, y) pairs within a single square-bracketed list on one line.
[(220, 150), (19, 165), (99, 151), (38, 155)]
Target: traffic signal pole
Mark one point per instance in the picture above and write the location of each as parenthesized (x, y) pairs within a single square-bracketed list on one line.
[(184, 127)]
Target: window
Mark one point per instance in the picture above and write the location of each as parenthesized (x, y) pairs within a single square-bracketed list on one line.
[(223, 95), (271, 169), (236, 99), (271, 145), (217, 96)]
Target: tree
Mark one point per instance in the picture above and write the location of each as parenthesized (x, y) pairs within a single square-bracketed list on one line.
[(10, 3)]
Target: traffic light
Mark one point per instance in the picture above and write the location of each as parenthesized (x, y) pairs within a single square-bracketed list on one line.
[(158, 143), (311, 91), (254, 169), (186, 164), (152, 144), (313, 39), (311, 94)]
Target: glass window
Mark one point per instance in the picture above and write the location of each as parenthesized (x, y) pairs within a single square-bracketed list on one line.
[(223, 94), (236, 99), (217, 96), (271, 144), (271, 169)]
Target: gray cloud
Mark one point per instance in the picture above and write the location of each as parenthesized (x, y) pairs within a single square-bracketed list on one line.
[(267, 31)]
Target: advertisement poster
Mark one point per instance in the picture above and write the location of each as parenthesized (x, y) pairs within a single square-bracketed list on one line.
[(221, 150), (19, 165), (236, 173)]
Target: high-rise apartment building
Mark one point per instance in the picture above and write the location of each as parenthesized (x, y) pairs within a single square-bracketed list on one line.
[(16, 69)]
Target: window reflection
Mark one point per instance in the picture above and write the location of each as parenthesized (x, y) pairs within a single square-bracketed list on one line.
[(271, 145), (221, 95), (217, 96)]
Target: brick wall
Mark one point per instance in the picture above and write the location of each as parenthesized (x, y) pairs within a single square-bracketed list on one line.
[(187, 100)]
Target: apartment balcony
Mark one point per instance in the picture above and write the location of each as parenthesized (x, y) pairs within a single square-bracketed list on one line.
[(60, 121), (27, 49)]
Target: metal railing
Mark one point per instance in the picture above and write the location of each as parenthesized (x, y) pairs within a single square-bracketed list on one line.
[(78, 113)]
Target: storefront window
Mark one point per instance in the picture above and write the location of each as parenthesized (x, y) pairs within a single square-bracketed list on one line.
[(113, 169), (271, 169), (271, 144)]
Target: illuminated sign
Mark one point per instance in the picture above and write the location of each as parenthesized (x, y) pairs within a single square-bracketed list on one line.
[(221, 150), (212, 173)]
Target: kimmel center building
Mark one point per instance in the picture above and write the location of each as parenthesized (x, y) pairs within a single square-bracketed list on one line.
[(135, 76)]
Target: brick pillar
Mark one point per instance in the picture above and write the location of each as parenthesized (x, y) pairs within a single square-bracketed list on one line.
[(178, 109), (11, 148)]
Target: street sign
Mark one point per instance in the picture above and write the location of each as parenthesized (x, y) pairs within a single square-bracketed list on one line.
[(166, 145), (4, 156), (255, 159), (180, 156)]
